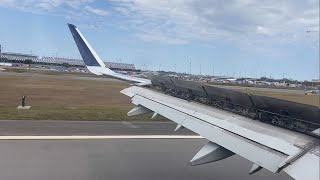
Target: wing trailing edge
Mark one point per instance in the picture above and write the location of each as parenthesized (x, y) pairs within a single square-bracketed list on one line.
[(266, 146)]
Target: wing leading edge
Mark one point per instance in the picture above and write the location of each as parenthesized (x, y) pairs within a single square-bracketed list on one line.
[(94, 63)]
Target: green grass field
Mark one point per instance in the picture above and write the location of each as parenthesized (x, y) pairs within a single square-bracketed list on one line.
[(300, 98), (60, 98), (49, 72)]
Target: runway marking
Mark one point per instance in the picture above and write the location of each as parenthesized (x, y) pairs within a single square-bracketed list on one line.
[(99, 137)]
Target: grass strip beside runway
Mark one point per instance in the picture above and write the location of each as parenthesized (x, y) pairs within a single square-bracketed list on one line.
[(65, 96)]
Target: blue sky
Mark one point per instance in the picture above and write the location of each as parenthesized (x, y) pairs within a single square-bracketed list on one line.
[(236, 37)]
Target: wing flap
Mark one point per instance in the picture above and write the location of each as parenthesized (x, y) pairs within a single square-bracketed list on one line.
[(283, 140), (246, 148), (265, 145)]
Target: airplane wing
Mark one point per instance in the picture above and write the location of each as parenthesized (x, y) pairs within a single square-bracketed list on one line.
[(265, 145), (93, 62)]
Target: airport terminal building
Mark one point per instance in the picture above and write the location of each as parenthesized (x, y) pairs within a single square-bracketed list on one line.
[(20, 58)]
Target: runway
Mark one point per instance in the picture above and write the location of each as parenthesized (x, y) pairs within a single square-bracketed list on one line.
[(110, 150), (87, 128), (140, 159)]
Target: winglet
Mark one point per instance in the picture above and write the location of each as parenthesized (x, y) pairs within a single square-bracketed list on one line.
[(94, 63), (88, 54)]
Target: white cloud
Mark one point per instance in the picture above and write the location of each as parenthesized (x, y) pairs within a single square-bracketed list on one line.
[(96, 11), (157, 37), (7, 2), (183, 21), (209, 20), (38, 5), (263, 30)]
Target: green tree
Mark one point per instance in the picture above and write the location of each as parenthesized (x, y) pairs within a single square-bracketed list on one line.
[(66, 65), (28, 61)]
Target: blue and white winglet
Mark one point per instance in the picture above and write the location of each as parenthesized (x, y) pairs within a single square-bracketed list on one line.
[(94, 63)]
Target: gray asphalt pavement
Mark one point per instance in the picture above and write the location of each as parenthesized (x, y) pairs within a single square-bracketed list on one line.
[(65, 128), (117, 159)]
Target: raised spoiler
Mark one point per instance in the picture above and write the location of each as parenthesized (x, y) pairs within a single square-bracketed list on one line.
[(292, 115), (94, 63)]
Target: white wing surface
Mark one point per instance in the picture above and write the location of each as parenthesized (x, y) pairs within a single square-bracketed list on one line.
[(266, 146)]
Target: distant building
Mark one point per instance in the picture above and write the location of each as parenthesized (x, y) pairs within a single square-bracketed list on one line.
[(6, 64), (120, 66), (18, 57), (58, 61)]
